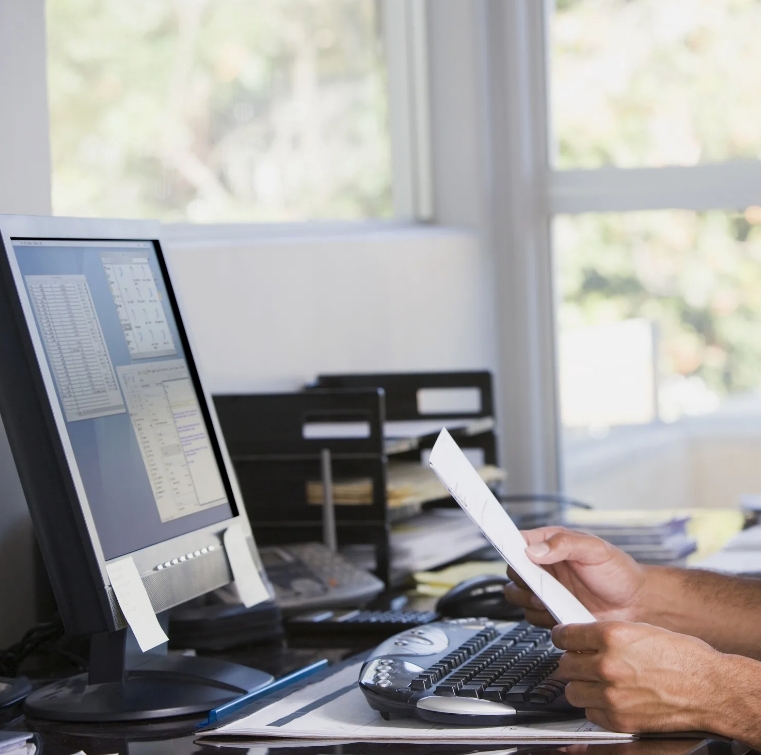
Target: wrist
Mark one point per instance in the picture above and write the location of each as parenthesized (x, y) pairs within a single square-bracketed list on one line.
[(655, 600), (639, 609)]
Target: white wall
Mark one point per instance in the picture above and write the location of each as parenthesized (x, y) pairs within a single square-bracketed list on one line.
[(24, 141), (270, 315), (24, 188)]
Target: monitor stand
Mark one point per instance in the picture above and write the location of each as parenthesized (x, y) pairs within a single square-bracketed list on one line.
[(124, 685)]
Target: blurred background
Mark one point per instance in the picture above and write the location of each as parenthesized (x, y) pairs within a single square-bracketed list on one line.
[(658, 310), (217, 111)]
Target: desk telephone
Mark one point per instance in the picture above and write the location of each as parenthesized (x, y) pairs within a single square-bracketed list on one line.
[(310, 576)]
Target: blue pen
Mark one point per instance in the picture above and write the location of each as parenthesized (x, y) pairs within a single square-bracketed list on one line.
[(284, 681)]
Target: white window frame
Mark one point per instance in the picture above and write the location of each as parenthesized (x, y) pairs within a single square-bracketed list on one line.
[(533, 192), (405, 37)]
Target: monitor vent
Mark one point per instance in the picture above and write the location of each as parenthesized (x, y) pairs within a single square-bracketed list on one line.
[(170, 587)]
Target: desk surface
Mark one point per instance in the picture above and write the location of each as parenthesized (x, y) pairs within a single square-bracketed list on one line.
[(177, 737)]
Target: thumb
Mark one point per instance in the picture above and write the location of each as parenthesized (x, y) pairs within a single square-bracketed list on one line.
[(567, 545)]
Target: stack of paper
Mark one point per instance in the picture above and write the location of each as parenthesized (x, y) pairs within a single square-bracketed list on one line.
[(425, 541), (408, 485), (742, 555), (649, 536), (733, 562), (434, 538), (747, 540)]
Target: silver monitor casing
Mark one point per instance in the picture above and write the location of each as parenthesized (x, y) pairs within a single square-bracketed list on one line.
[(90, 605)]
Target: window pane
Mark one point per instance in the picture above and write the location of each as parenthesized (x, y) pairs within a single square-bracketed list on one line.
[(218, 110), (649, 83), (660, 356)]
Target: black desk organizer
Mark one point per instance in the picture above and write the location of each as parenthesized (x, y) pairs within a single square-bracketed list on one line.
[(274, 461), (275, 455), (402, 404)]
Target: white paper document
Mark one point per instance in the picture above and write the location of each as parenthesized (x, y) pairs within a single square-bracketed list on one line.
[(248, 581), (335, 709), (732, 562), (479, 503), (135, 603), (747, 540)]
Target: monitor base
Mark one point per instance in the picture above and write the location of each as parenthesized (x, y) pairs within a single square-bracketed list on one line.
[(161, 687)]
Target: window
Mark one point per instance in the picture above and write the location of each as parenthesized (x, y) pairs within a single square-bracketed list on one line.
[(646, 83), (219, 110), (653, 200)]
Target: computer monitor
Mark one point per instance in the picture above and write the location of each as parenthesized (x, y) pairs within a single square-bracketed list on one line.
[(119, 453)]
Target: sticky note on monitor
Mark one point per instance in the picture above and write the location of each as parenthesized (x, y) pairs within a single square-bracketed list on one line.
[(467, 488), (248, 581), (135, 604)]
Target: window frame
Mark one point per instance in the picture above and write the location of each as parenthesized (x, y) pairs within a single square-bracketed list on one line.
[(404, 27), (730, 185)]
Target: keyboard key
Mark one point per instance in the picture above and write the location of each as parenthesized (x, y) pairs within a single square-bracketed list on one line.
[(420, 683), (507, 681), (518, 693), (523, 645), (553, 692), (469, 690), (505, 642), (541, 697), (495, 694), (446, 688)]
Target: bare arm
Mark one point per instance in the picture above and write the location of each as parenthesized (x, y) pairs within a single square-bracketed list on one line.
[(723, 610)]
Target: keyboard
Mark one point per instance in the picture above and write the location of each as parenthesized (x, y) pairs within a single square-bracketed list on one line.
[(357, 622), (473, 672)]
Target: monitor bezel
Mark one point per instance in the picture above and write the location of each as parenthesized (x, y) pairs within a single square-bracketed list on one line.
[(149, 558)]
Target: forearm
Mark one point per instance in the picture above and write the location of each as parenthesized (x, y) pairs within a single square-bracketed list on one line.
[(734, 702), (723, 610)]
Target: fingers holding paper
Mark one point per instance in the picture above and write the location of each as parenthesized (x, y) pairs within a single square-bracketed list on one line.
[(519, 593), (604, 578)]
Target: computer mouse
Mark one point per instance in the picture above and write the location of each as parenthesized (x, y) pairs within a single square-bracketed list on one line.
[(479, 596)]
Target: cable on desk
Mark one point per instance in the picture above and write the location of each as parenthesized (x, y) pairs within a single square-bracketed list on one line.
[(39, 639)]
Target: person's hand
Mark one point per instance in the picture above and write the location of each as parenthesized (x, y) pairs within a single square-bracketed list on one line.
[(604, 578), (640, 678)]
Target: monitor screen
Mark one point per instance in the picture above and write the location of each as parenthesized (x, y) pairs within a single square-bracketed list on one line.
[(128, 392)]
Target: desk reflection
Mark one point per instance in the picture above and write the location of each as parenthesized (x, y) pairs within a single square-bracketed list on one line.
[(639, 747)]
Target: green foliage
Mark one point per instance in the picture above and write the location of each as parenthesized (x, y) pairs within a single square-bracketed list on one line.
[(639, 83), (697, 275), (218, 110), (655, 82)]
